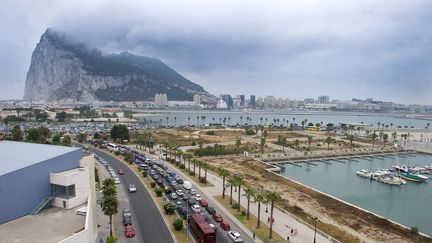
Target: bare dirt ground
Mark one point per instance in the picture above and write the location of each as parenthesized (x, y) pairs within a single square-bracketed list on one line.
[(340, 220)]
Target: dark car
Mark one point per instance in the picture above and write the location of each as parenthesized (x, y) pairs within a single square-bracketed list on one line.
[(191, 201), (160, 181), (167, 189), (211, 210), (182, 211), (155, 177), (120, 172)]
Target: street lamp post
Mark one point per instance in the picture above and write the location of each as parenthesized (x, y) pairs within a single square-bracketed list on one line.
[(315, 223)]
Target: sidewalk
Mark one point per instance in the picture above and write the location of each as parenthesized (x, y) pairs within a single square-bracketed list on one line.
[(283, 221)]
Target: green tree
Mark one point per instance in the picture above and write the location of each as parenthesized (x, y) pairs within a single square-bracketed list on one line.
[(67, 140), (374, 136), (178, 224), (328, 141), (32, 135), (351, 138), (385, 137), (44, 134), (119, 132), (96, 135), (309, 139), (110, 207), (82, 137), (296, 143), (262, 144), (238, 144), (283, 143), (239, 182), (169, 208), (224, 173), (272, 197), (17, 134), (232, 182), (249, 193), (56, 138), (259, 198), (111, 239)]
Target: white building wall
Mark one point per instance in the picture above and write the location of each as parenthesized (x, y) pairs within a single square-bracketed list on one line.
[(78, 177)]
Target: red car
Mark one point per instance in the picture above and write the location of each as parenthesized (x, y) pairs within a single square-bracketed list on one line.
[(225, 225), (203, 203), (129, 231), (217, 217), (120, 172)]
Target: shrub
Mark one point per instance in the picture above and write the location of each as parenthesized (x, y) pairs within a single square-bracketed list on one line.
[(193, 143), (144, 173), (111, 239), (158, 191), (178, 224), (414, 230), (243, 213), (117, 153), (153, 184), (169, 208), (191, 173), (234, 206), (210, 132), (182, 166), (203, 180)]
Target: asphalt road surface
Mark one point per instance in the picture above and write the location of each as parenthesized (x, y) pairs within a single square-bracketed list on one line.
[(150, 223)]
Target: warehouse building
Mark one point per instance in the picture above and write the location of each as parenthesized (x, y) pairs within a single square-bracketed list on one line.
[(26, 171)]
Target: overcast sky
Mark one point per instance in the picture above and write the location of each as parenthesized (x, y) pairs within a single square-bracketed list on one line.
[(296, 49)]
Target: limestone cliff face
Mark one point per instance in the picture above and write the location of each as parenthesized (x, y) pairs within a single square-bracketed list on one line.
[(63, 69)]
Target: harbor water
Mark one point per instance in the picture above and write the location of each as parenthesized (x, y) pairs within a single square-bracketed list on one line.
[(410, 204)]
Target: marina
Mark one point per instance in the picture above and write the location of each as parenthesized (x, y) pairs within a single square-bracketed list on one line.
[(397, 189)]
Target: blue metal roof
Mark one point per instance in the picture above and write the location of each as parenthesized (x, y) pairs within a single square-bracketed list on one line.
[(18, 155)]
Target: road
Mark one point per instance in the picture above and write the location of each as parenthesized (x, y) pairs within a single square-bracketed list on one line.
[(150, 223), (221, 235)]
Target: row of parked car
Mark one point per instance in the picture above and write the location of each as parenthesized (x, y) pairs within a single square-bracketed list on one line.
[(186, 198), (127, 215)]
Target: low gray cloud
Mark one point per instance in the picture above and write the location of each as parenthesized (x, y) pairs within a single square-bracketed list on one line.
[(379, 49)]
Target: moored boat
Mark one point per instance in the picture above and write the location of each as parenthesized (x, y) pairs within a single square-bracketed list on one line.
[(412, 177)]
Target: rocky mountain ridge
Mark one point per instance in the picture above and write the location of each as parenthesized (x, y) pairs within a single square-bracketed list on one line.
[(62, 68)]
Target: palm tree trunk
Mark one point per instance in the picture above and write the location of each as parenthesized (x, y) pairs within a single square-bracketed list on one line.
[(248, 202), (205, 175), (194, 170), (259, 215), (223, 187), (231, 194), (110, 225), (189, 165), (199, 173), (238, 206), (271, 220)]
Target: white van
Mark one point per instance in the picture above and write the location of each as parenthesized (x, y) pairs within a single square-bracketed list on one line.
[(187, 185)]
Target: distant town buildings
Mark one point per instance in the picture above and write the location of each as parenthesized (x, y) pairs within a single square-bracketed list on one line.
[(197, 99), (323, 99), (161, 100)]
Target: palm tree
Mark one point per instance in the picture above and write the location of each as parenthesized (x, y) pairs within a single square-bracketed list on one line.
[(194, 162), (238, 144), (261, 119), (272, 197), (239, 182), (175, 121), (199, 163), (224, 173), (189, 120), (248, 193), (309, 138), (296, 143), (206, 166), (263, 142), (351, 138), (260, 199), (328, 141), (167, 119), (378, 124), (283, 143), (232, 181), (197, 118), (241, 120), (374, 136), (109, 207), (394, 135)]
